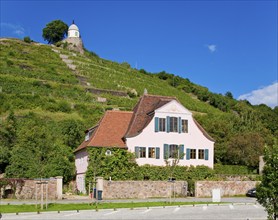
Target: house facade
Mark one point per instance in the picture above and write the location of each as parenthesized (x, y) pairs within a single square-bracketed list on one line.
[(159, 128)]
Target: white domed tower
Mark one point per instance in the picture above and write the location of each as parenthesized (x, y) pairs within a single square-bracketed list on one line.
[(74, 39), (73, 30)]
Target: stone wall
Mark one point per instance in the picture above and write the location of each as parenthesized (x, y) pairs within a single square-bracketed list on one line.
[(30, 189), (112, 92), (227, 188), (75, 43), (142, 189)]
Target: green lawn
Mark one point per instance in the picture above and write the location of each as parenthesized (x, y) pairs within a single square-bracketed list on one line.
[(86, 206)]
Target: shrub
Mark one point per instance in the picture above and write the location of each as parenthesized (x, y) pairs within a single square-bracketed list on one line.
[(58, 44), (27, 39), (65, 45), (9, 62), (11, 53), (64, 106), (132, 93), (126, 65), (231, 169), (93, 54)]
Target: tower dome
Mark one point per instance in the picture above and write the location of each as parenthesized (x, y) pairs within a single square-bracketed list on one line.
[(73, 30)]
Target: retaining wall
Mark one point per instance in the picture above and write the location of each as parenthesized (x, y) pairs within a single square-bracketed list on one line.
[(143, 189), (31, 189), (227, 188)]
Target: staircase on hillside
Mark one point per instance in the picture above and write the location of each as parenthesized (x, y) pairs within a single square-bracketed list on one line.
[(83, 80)]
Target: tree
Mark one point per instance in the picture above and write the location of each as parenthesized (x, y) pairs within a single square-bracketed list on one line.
[(60, 162), (267, 191), (72, 131), (245, 149), (172, 159), (229, 95), (29, 155), (55, 31), (7, 140)]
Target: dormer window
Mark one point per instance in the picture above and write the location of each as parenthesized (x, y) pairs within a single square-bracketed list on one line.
[(87, 137)]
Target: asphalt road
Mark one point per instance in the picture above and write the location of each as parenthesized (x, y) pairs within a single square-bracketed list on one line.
[(86, 200), (198, 212)]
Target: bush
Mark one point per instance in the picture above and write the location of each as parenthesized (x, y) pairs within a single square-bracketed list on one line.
[(93, 54), (64, 106), (27, 39), (58, 44), (231, 169), (132, 93), (65, 45), (9, 62), (11, 53)]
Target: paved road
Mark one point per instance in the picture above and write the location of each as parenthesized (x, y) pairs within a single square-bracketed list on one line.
[(86, 200), (213, 212)]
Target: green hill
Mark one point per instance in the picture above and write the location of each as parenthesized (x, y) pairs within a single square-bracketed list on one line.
[(49, 95)]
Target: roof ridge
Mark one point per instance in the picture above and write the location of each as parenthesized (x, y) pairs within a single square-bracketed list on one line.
[(160, 96), (119, 111), (91, 128)]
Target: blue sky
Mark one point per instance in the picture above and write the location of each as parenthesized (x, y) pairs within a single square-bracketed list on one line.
[(222, 45)]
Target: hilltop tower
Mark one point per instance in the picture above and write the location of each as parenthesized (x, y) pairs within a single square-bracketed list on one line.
[(74, 39), (73, 30)]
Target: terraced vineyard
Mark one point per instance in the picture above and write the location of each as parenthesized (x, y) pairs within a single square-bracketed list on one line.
[(34, 77)]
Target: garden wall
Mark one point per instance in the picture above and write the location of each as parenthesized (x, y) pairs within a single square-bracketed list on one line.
[(31, 189), (227, 188), (142, 189)]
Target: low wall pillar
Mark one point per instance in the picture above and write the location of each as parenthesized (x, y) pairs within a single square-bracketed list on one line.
[(59, 187), (99, 187)]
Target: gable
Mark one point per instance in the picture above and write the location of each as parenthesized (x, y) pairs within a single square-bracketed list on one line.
[(173, 107)]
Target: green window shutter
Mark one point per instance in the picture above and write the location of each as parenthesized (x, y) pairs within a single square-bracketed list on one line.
[(206, 154), (156, 124), (166, 151), (179, 125), (181, 152), (168, 124), (137, 152), (188, 153), (157, 153)]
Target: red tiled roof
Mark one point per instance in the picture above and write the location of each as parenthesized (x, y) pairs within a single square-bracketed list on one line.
[(110, 130), (141, 113)]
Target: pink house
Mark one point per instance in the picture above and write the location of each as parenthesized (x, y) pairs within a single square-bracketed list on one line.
[(155, 130)]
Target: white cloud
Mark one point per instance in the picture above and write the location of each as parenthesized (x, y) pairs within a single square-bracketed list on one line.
[(15, 29), (267, 95), (211, 47)]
